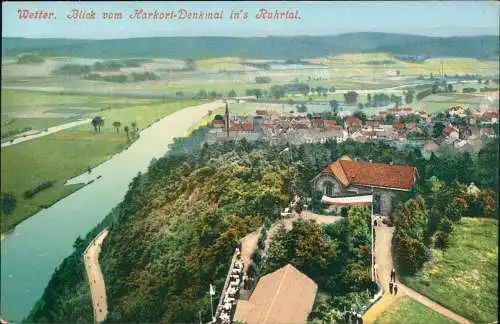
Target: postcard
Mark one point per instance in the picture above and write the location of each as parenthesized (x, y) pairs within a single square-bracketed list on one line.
[(249, 162)]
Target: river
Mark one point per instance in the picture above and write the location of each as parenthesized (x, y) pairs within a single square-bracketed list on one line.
[(32, 251)]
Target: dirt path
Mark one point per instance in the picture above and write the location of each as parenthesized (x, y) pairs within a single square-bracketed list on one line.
[(96, 280), (50, 130), (383, 259)]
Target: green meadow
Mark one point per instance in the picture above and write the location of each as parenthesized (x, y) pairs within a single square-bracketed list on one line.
[(65, 154), (408, 311), (464, 278)]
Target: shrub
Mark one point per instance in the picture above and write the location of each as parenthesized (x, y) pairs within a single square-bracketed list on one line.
[(410, 254), (441, 240), (261, 243), (32, 192), (343, 212), (253, 270), (7, 202), (257, 257), (267, 224)]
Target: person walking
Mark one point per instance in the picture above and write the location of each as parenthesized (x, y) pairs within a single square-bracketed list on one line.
[(390, 287), (393, 274), (395, 288)]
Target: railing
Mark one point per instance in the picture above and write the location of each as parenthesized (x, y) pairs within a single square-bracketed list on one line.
[(226, 285)]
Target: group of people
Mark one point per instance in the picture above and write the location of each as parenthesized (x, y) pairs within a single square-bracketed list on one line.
[(393, 286), (232, 292), (378, 221)]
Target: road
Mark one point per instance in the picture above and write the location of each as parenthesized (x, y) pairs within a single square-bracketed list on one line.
[(94, 275), (50, 130), (383, 260)]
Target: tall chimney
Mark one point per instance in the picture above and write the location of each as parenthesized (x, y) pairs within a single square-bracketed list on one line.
[(227, 119)]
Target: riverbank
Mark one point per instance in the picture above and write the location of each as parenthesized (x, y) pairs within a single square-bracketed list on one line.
[(28, 264), (66, 154)]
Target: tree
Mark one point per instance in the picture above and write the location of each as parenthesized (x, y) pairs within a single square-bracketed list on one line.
[(334, 105), (437, 129), (7, 202), (277, 91), (126, 130), (117, 126), (450, 87), (360, 115), (97, 122), (232, 94), (351, 97), (409, 97), (202, 94), (360, 105), (398, 73), (134, 126), (369, 98)]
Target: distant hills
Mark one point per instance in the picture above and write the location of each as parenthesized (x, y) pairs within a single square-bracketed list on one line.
[(272, 47)]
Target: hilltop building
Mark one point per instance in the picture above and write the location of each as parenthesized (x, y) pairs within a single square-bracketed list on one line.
[(346, 177)]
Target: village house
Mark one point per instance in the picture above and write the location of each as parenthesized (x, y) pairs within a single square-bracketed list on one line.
[(487, 132), (450, 134), (490, 117), (346, 177), (353, 124), (457, 110)]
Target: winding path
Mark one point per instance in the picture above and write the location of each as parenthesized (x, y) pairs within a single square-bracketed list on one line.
[(383, 259), (94, 275)]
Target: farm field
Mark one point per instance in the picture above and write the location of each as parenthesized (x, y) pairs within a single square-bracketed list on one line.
[(408, 311), (65, 154), (464, 278)]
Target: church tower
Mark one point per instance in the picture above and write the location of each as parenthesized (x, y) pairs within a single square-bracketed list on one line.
[(226, 117)]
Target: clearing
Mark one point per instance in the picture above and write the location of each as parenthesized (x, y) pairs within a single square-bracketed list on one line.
[(464, 278)]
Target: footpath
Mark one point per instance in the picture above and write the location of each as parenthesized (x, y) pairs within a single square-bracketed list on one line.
[(383, 260), (94, 275)]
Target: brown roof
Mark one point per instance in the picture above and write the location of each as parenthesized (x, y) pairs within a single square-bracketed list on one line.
[(332, 124), (284, 296), (261, 112), (373, 174), (241, 127), (218, 122), (353, 121), (398, 126), (448, 130), (490, 114)]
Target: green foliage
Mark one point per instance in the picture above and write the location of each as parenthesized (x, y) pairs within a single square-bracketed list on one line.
[(441, 240), (30, 58), (278, 47), (437, 129), (262, 79), (28, 194), (7, 202), (351, 97)]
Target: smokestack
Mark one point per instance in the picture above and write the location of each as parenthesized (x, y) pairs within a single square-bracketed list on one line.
[(227, 119)]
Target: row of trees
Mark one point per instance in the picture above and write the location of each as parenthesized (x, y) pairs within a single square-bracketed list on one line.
[(426, 221)]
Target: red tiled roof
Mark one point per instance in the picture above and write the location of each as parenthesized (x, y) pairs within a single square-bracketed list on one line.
[(218, 123), (353, 121), (406, 109), (261, 112), (448, 130), (243, 127), (490, 114), (332, 124), (398, 126), (373, 174)]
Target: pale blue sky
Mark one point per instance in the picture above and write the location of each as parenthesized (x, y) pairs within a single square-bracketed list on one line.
[(463, 18)]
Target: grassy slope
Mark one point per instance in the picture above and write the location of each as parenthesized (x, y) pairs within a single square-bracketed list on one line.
[(464, 278), (409, 311), (68, 153)]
